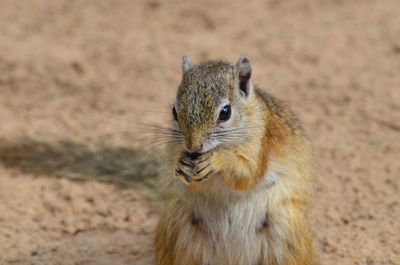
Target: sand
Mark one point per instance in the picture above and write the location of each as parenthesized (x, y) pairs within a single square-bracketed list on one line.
[(81, 80)]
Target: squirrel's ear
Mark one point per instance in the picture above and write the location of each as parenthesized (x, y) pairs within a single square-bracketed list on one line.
[(186, 64), (243, 69)]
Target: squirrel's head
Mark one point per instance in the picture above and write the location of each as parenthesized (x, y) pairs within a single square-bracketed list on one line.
[(211, 104)]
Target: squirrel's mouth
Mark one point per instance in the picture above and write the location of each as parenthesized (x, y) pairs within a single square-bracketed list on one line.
[(194, 155), (208, 146)]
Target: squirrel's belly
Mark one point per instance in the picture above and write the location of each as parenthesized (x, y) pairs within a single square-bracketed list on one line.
[(232, 235)]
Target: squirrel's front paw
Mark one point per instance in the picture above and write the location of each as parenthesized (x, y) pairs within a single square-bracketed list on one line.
[(194, 168)]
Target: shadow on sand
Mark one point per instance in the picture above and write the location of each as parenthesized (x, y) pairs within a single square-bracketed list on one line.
[(65, 159)]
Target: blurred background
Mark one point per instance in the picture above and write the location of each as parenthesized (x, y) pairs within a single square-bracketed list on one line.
[(79, 78)]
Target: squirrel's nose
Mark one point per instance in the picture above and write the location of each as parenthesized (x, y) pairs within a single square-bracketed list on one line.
[(193, 147)]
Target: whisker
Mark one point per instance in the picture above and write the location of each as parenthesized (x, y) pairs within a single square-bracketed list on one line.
[(156, 145), (232, 131), (243, 128)]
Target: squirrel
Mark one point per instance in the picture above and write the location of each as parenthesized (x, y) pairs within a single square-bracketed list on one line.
[(238, 176)]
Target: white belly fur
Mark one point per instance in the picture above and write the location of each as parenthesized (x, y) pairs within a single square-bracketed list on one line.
[(228, 232)]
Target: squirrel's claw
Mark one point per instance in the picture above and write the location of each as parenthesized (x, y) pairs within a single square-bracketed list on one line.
[(194, 170), (202, 169)]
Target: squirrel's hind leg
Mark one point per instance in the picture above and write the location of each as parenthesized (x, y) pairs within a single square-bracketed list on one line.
[(288, 239)]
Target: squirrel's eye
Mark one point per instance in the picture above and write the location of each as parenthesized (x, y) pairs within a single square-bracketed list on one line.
[(225, 113), (174, 114)]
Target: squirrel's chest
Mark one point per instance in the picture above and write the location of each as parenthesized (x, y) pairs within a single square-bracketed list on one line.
[(232, 234)]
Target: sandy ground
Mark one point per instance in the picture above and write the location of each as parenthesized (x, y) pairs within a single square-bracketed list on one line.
[(79, 78)]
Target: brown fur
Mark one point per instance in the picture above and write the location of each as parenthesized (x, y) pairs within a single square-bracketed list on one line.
[(240, 181)]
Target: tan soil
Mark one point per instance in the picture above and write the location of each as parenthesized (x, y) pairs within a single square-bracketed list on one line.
[(78, 77)]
